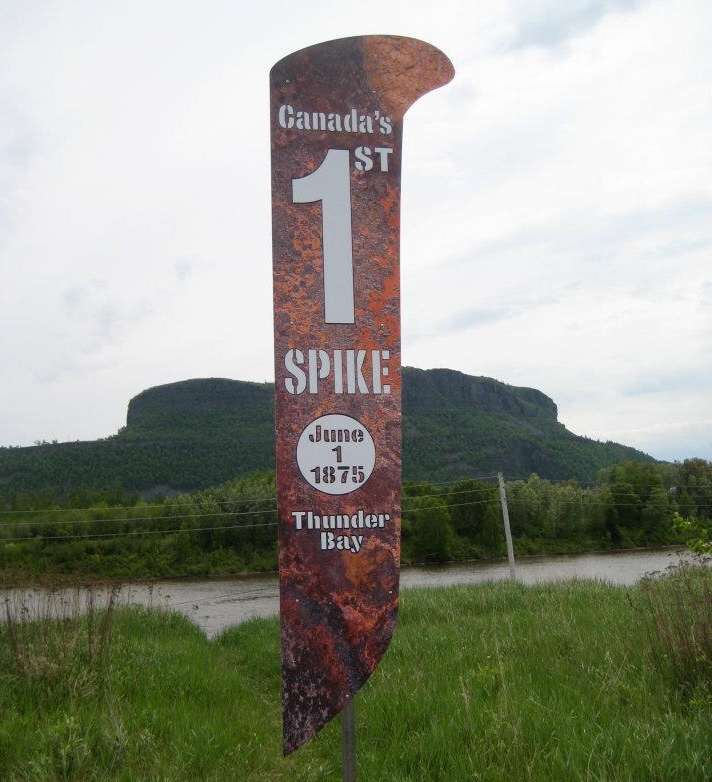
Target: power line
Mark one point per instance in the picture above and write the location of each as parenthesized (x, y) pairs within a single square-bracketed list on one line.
[(168, 504), (138, 533), (131, 519), (541, 505)]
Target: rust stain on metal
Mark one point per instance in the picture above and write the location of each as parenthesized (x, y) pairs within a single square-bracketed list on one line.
[(338, 384)]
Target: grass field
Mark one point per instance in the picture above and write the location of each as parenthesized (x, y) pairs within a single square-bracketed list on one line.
[(489, 682)]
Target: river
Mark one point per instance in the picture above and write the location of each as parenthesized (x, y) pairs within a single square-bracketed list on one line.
[(215, 604)]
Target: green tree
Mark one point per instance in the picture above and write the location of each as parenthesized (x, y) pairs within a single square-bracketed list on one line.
[(566, 510), (627, 505), (695, 478), (657, 515), (528, 504), (468, 502), (433, 536)]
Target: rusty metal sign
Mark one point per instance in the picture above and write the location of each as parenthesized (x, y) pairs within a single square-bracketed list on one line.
[(336, 127)]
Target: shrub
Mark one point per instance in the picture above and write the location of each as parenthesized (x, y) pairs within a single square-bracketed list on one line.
[(679, 611)]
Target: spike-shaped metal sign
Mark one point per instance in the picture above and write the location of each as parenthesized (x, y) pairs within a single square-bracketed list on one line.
[(336, 123)]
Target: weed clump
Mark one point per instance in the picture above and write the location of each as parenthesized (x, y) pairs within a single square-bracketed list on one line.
[(679, 611), (58, 641)]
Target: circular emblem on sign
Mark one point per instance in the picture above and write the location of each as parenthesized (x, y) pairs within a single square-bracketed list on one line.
[(336, 454)]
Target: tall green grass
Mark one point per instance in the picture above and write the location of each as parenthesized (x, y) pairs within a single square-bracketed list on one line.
[(680, 627), (488, 682)]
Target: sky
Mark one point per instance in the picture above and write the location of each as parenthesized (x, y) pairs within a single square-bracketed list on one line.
[(556, 204)]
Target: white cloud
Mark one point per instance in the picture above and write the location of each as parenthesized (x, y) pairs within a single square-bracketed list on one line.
[(549, 23)]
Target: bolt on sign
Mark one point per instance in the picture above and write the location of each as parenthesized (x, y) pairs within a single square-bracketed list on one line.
[(336, 128)]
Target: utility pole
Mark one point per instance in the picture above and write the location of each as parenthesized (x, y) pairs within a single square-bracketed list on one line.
[(507, 530)]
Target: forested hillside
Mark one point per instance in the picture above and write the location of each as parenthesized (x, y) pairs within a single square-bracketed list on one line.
[(456, 425), (198, 433)]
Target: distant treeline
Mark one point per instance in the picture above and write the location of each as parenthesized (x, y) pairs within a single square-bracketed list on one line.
[(233, 528), (63, 470)]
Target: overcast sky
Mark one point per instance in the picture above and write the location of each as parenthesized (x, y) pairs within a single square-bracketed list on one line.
[(556, 204)]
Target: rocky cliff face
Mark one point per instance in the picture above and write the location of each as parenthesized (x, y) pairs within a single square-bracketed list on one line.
[(425, 390), (204, 402)]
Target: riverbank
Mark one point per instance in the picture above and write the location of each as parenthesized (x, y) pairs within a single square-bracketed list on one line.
[(504, 681), (21, 568), (215, 603)]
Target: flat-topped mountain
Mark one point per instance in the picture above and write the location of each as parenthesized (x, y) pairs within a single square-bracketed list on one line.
[(199, 433), (200, 408)]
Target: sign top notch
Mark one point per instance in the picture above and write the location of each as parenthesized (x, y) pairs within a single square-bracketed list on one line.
[(398, 69)]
